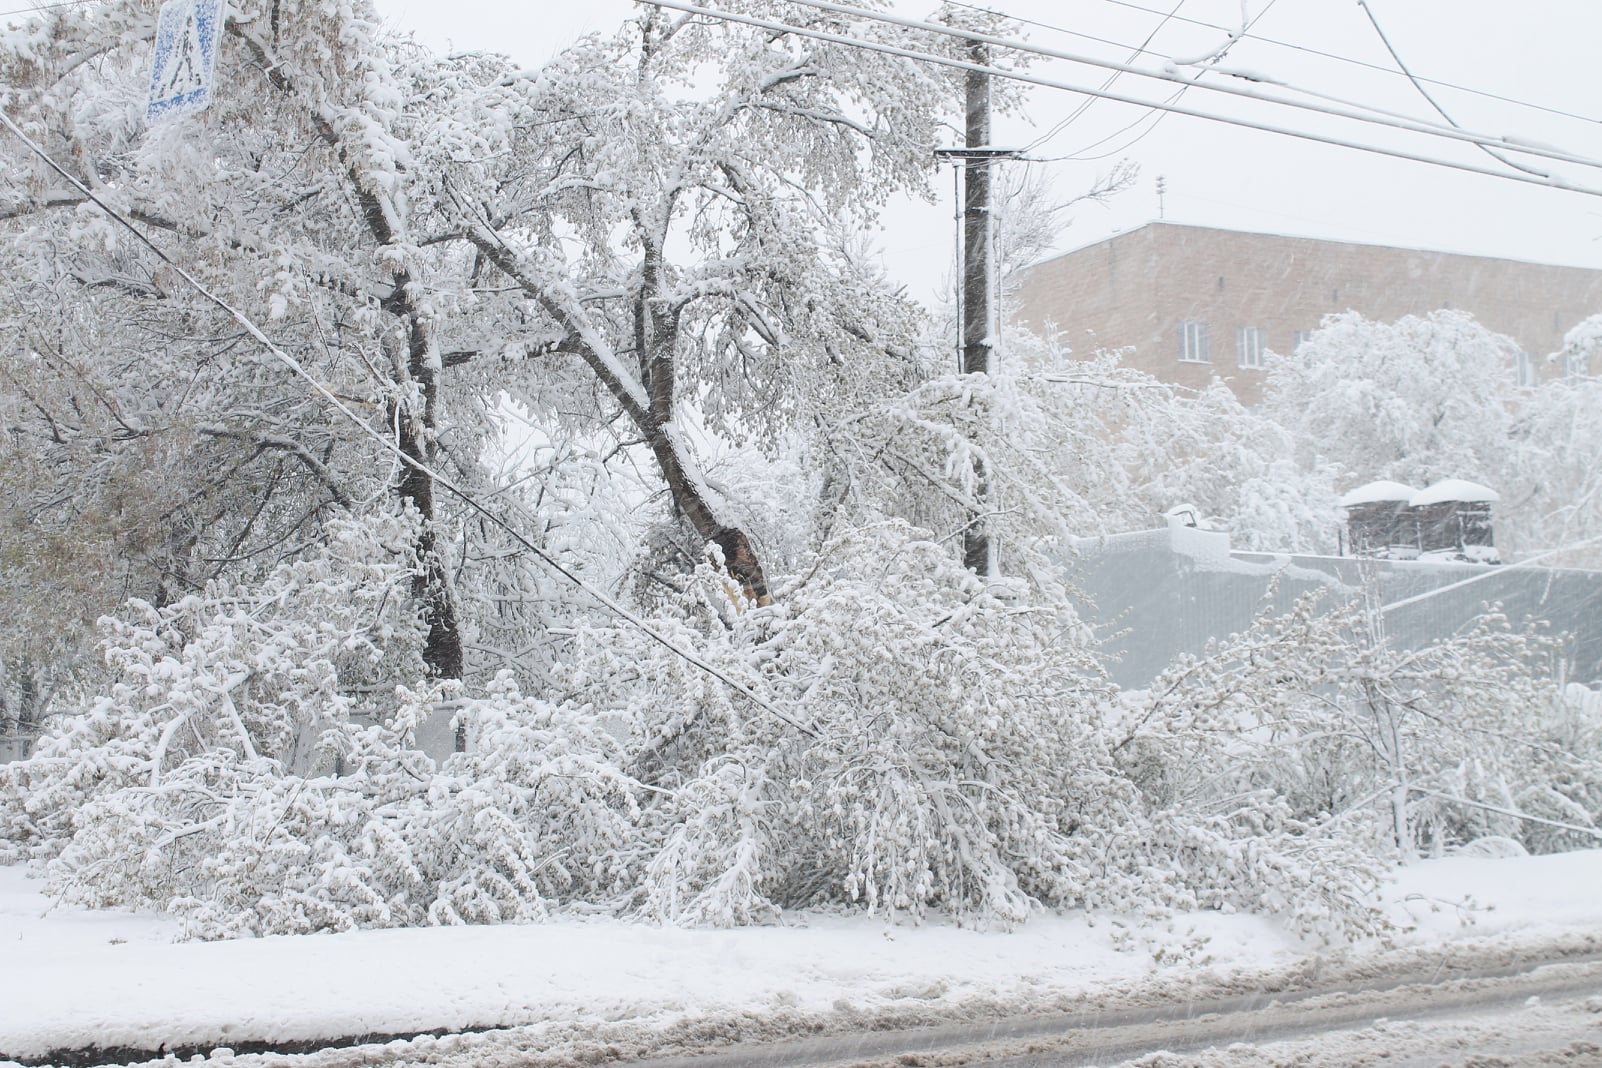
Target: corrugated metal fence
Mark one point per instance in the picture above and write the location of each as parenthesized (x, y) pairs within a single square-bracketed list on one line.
[(1156, 594)]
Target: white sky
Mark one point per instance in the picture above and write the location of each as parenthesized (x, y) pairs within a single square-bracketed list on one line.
[(1540, 52)]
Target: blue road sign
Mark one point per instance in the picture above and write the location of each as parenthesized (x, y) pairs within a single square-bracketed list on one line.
[(181, 69)]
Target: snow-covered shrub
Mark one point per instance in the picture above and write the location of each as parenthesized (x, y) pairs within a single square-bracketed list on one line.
[(959, 752), (894, 733), (249, 676), (537, 814), (253, 768), (1389, 750), (1225, 769), (937, 715)]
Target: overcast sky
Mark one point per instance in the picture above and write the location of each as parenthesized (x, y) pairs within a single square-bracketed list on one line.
[(1537, 52)]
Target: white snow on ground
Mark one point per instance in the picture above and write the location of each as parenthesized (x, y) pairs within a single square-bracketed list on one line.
[(71, 978)]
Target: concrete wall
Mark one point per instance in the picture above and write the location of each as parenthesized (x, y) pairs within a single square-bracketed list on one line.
[(1156, 594), (1136, 288)]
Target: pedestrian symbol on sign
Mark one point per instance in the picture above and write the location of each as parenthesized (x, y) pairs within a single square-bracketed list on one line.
[(185, 57)]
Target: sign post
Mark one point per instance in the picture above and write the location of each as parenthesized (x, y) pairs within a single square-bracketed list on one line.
[(181, 68)]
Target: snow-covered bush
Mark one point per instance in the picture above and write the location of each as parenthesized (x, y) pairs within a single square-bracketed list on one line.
[(1397, 751), (253, 767), (910, 738), (248, 676), (960, 753), (936, 721), (373, 834), (538, 814)]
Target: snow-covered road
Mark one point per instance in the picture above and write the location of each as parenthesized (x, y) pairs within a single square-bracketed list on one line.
[(1547, 1010), (596, 991)]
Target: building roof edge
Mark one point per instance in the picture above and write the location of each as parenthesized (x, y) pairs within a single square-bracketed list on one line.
[(1154, 224)]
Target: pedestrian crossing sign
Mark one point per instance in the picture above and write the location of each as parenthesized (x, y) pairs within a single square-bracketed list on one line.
[(185, 58)]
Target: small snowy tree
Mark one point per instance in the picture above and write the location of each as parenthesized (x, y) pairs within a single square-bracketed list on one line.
[(1425, 398), (1433, 397), (1426, 749)]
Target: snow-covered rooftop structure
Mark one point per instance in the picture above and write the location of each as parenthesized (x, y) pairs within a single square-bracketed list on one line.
[(1378, 492), (1454, 490), (1450, 518)]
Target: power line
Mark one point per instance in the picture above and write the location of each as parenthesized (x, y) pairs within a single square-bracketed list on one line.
[(1291, 45), (1425, 92), (389, 446), (1157, 120), (1138, 51), (904, 53), (46, 7), (1170, 76)]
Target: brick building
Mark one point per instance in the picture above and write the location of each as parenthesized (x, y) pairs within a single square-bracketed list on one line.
[(1196, 303)]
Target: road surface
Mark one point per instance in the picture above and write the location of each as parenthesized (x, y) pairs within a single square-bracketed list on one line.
[(1544, 1014)]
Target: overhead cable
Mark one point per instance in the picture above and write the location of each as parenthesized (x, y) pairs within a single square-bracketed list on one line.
[(957, 64), (1171, 76), (1425, 93), (1158, 117), (1336, 57), (1085, 105)]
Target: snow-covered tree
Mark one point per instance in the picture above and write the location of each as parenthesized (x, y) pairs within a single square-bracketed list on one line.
[(1551, 487), (1434, 397), (1422, 399), (660, 212), (291, 198)]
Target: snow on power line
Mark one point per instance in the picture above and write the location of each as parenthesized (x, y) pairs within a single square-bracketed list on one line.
[(1174, 108), (1171, 73)]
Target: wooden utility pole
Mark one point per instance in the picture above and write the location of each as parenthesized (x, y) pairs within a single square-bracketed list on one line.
[(978, 321), (977, 340)]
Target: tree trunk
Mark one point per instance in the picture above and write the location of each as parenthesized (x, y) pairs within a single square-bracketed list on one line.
[(648, 401), (739, 556), (384, 221)]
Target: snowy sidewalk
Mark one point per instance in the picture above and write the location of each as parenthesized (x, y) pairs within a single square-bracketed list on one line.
[(71, 979)]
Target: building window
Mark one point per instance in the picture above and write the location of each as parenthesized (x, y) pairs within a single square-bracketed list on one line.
[(1576, 366), (1249, 344), (1300, 338), (1193, 342), (1526, 370)]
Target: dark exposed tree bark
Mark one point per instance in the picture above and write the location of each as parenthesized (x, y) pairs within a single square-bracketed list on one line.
[(648, 402), (442, 651)]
